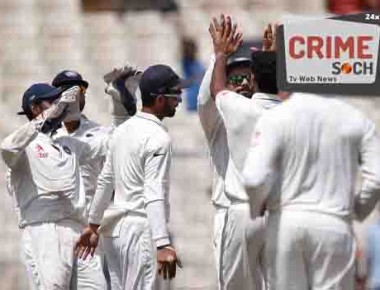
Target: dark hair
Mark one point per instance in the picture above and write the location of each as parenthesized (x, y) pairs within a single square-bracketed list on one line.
[(147, 100), (264, 70)]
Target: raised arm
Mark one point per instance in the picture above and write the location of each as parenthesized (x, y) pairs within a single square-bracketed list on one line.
[(225, 42), (14, 145)]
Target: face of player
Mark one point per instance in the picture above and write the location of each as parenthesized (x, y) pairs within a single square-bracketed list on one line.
[(169, 101), (240, 80), (38, 107)]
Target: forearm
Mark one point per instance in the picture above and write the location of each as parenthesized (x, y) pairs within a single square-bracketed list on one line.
[(219, 76), (365, 202), (15, 144), (156, 212)]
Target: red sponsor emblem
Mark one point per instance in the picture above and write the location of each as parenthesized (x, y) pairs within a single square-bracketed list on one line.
[(41, 152)]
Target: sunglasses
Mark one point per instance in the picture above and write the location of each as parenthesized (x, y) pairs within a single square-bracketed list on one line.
[(170, 94), (239, 79)]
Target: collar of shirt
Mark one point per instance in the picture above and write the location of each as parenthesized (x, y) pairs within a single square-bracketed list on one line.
[(263, 96), (152, 118)]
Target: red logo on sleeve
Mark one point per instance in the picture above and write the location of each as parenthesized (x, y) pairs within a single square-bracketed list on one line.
[(41, 152)]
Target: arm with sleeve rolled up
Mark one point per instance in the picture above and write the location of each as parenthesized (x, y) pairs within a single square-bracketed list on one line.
[(261, 166), (156, 184), (14, 145), (369, 194)]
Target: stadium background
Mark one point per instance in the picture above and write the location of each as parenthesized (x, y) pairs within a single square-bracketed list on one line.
[(39, 38)]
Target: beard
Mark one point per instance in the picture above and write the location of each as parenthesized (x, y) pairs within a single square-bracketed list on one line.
[(247, 94)]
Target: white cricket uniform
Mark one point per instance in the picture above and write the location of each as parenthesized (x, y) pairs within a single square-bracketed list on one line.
[(45, 181), (313, 147), (137, 167), (87, 132), (90, 131), (238, 239)]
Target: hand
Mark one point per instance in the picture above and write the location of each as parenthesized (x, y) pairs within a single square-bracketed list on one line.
[(122, 84), (71, 97), (269, 38), (87, 242), (225, 39), (167, 262)]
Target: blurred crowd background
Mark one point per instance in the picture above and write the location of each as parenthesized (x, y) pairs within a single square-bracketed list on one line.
[(39, 38)]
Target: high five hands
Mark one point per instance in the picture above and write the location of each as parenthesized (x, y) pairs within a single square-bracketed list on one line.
[(226, 39)]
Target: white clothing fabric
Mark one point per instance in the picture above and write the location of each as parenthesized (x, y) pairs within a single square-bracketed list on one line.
[(44, 173), (131, 255), (312, 148), (316, 144), (89, 132), (50, 262), (309, 250), (228, 123), (239, 244), (137, 167)]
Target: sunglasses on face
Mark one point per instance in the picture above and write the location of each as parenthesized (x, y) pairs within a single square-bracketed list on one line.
[(238, 79), (170, 94)]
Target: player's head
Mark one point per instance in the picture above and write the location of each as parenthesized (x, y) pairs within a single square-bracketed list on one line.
[(239, 74), (264, 69), (38, 98), (161, 90), (67, 79)]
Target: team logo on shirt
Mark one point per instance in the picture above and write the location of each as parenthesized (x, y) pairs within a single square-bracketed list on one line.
[(67, 150), (41, 151)]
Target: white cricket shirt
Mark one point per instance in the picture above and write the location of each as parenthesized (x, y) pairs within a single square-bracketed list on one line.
[(44, 173), (313, 146), (137, 167)]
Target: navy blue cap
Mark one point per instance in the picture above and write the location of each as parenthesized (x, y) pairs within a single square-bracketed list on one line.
[(38, 92), (157, 79), (69, 78), (241, 56)]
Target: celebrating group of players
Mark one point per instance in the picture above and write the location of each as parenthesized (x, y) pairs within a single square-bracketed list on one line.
[(92, 201)]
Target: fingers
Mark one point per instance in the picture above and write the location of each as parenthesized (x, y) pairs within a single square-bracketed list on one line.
[(165, 270), (172, 269), (227, 28)]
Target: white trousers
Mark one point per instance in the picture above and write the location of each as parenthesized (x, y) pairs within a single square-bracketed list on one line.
[(306, 250), (131, 256), (48, 252), (239, 245)]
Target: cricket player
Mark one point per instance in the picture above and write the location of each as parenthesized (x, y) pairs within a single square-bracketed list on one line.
[(135, 235), (45, 182), (238, 238), (313, 147), (80, 127)]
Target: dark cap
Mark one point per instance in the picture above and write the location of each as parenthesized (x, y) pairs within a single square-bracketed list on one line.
[(38, 92), (240, 57), (157, 79), (69, 78)]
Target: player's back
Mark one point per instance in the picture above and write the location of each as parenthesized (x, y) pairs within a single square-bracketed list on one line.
[(321, 140)]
